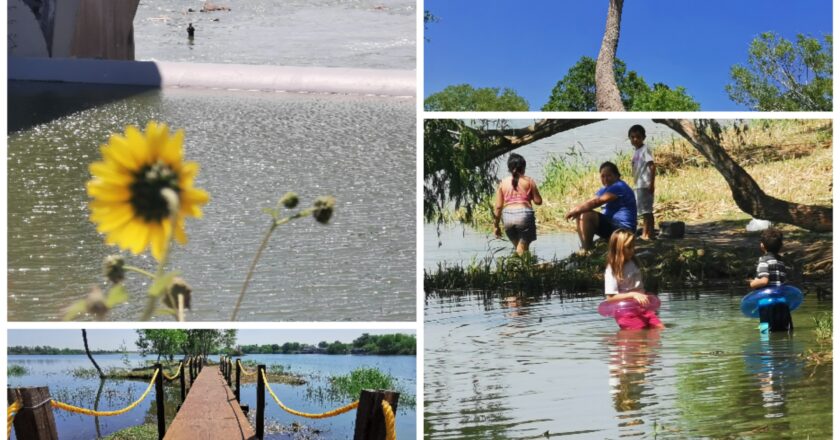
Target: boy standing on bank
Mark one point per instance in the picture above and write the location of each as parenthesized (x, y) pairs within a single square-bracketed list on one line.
[(644, 173)]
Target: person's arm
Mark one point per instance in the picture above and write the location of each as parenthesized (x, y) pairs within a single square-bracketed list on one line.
[(640, 297), (652, 176), (536, 192), (758, 283), (497, 211), (591, 204)]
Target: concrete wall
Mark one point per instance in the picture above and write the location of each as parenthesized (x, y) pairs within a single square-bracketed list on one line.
[(72, 28)]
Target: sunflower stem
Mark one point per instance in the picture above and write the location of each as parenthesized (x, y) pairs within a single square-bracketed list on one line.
[(140, 271), (271, 228)]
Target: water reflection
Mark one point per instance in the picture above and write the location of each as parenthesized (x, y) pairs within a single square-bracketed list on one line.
[(632, 357)]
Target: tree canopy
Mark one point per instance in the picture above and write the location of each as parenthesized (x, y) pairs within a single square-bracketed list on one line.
[(463, 97), (781, 75), (575, 92)]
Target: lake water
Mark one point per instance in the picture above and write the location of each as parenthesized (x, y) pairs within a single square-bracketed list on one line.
[(374, 34), (499, 366), (53, 371), (252, 148)]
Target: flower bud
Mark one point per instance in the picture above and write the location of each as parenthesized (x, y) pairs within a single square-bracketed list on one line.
[(323, 208), (289, 200), (114, 268), (178, 287), (95, 303)]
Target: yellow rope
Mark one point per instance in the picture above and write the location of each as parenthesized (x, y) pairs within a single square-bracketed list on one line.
[(11, 412), (325, 415), (390, 421), (167, 377), (90, 412), (244, 371)]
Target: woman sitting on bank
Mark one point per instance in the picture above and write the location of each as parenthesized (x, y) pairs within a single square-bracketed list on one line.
[(513, 205), (619, 208)]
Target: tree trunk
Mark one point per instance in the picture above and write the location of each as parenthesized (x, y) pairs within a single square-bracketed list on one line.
[(607, 95), (704, 136), (90, 356)]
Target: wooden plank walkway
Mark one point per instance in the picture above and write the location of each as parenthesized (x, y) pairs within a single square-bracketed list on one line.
[(210, 411)]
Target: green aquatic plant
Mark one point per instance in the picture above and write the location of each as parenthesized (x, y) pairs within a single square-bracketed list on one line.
[(350, 386), (823, 325), (16, 370)]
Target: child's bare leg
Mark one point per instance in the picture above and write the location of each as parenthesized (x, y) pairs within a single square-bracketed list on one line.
[(522, 247), (647, 231)]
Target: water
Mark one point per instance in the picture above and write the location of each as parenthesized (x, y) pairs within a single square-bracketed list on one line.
[(252, 148), (521, 367), (116, 394), (459, 244), (374, 34)]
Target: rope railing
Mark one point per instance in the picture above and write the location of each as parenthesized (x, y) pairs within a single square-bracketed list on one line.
[(244, 371), (90, 412), (171, 378), (390, 421), (324, 415), (11, 412)]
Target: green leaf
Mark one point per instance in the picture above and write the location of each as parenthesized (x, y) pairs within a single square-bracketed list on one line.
[(159, 286), (271, 211), (116, 296)]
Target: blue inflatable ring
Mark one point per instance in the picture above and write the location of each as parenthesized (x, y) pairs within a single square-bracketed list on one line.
[(757, 299)]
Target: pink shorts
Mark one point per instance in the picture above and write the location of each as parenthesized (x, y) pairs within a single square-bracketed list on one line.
[(637, 321)]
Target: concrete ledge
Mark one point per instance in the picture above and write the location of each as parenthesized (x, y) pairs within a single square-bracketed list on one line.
[(216, 76)]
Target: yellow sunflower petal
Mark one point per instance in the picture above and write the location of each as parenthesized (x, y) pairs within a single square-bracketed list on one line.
[(180, 233), (173, 151), (110, 173), (100, 190), (135, 236), (158, 240), (112, 219), (156, 136), (118, 151)]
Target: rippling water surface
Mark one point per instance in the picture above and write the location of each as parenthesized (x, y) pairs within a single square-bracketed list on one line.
[(56, 372), (373, 34), (500, 366), (252, 148)]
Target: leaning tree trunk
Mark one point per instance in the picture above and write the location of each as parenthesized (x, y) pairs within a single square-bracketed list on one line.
[(90, 356), (705, 137), (607, 95)]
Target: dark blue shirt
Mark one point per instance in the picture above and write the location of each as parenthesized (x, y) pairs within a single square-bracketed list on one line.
[(622, 210)]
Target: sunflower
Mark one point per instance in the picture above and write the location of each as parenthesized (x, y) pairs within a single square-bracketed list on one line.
[(142, 187)]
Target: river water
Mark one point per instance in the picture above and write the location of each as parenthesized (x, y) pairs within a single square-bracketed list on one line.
[(500, 366), (54, 371), (373, 34), (252, 148)]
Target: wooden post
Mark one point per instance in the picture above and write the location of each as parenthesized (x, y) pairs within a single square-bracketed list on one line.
[(183, 386), (159, 397), (35, 420), (370, 420), (260, 402), (238, 372), (230, 373)]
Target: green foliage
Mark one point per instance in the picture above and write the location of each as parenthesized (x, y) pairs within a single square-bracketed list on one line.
[(44, 349), (350, 386), (465, 177), (139, 432), (391, 344), (16, 370), (576, 91), (784, 76), (84, 373), (398, 343), (823, 327), (463, 97), (163, 342)]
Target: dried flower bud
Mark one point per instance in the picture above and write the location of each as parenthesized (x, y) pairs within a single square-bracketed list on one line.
[(289, 200), (95, 303), (323, 208), (178, 287), (114, 268)]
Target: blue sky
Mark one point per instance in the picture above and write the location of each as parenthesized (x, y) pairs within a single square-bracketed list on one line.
[(112, 338), (530, 45)]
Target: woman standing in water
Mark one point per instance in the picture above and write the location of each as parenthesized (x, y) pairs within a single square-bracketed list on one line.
[(513, 205)]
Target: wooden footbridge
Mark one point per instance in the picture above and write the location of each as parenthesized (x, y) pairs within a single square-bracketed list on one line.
[(210, 406)]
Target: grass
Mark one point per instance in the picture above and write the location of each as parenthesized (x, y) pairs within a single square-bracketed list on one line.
[(139, 432), (789, 159), (16, 370), (351, 385), (823, 327)]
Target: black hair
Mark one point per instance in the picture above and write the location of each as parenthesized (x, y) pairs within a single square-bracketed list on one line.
[(516, 166), (636, 129), (613, 167), (771, 238)]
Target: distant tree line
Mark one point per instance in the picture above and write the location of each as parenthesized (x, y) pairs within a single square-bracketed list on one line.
[(393, 344), (45, 349)]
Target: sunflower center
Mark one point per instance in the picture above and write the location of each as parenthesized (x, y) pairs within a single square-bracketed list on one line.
[(146, 197)]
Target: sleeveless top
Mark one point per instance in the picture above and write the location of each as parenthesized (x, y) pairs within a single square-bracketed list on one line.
[(512, 195)]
